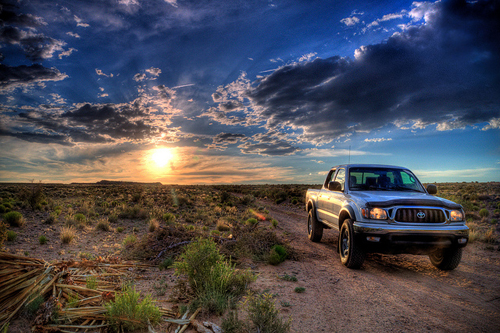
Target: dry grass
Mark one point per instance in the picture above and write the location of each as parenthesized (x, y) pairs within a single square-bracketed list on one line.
[(67, 234)]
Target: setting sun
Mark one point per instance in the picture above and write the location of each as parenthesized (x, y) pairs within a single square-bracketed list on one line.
[(162, 156)]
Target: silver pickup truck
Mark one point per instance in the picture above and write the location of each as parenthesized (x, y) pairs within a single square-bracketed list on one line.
[(385, 209)]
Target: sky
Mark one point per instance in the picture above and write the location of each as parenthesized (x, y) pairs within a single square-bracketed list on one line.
[(247, 92)]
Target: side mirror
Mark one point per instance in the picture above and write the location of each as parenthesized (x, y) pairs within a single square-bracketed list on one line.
[(432, 189), (334, 186)]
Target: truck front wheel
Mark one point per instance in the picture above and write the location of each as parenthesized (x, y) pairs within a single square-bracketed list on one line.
[(314, 227), (351, 255), (446, 259)]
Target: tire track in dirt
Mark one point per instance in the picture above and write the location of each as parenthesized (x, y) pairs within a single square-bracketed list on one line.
[(390, 293)]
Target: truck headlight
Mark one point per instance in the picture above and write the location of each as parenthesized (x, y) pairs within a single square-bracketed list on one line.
[(456, 216), (374, 213)]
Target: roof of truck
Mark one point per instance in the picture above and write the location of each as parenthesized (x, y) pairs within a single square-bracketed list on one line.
[(369, 166)]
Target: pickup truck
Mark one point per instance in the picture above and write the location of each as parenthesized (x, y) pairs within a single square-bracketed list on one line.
[(385, 209)]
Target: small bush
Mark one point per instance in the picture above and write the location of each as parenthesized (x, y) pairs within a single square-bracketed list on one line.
[(153, 225), (42, 239), (129, 240), (166, 263), (14, 219), (300, 290), (91, 282), (251, 221), (484, 212), (119, 229), (11, 235), (222, 226), (3, 234), (287, 277), (274, 223), (127, 313), (113, 218), (214, 280), (67, 234), (103, 225), (80, 218), (169, 218), (51, 219), (277, 255), (264, 315), (32, 306)]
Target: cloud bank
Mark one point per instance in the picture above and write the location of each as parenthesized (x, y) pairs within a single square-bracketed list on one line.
[(409, 81)]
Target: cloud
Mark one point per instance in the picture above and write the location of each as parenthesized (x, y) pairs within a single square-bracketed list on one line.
[(410, 80), (73, 34), (228, 138), (101, 73), (26, 76), (378, 140), (350, 21), (79, 22), (153, 72)]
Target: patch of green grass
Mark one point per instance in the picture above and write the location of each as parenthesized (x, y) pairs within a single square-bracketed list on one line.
[(300, 290), (213, 279), (287, 277), (11, 235), (128, 313), (42, 239), (91, 282), (277, 255), (120, 229), (166, 263), (14, 219), (129, 240)]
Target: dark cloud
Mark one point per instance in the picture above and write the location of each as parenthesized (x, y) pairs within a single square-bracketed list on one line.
[(445, 71), (228, 138), (23, 76), (268, 144)]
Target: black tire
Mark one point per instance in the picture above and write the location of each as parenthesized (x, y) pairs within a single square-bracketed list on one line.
[(314, 227), (446, 259), (351, 254)]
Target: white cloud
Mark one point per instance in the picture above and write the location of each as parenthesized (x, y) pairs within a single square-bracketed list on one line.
[(350, 21), (101, 73), (72, 34), (378, 140), (79, 22)]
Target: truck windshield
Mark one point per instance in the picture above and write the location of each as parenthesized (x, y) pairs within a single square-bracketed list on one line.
[(383, 179)]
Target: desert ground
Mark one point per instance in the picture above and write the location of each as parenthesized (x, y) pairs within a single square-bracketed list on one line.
[(390, 293)]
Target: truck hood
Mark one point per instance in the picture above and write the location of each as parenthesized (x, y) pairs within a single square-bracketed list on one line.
[(400, 198)]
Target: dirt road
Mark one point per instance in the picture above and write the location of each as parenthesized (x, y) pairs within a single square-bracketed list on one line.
[(390, 293)]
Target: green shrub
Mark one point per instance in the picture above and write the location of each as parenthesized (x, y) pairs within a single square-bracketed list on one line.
[(166, 263), (113, 218), (251, 221), (42, 239), (51, 219), (287, 277), (80, 218), (231, 323), (103, 225), (169, 218), (213, 279), (14, 219), (277, 255), (264, 315), (129, 240), (300, 290), (153, 224), (484, 212), (33, 304), (127, 313), (3, 209), (119, 229), (3, 233), (11, 235), (274, 223)]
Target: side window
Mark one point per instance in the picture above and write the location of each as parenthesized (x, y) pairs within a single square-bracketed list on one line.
[(408, 180), (329, 178), (341, 178)]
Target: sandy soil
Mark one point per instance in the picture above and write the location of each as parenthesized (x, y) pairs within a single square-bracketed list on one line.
[(390, 293)]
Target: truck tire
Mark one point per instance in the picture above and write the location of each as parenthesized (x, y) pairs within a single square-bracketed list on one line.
[(351, 254), (446, 259), (314, 227)]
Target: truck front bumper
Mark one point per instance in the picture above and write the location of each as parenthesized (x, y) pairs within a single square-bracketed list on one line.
[(410, 238)]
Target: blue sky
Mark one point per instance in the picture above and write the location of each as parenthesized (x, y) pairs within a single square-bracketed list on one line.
[(191, 92)]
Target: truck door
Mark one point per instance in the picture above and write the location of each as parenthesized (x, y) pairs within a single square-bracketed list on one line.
[(324, 198), (336, 198)]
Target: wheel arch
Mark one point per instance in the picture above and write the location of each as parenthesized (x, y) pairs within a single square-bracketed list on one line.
[(346, 213)]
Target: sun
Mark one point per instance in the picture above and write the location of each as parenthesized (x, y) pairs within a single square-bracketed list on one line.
[(162, 156)]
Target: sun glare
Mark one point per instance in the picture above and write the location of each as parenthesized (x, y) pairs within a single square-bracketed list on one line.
[(162, 156)]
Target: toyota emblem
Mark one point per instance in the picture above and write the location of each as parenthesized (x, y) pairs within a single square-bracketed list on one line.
[(421, 215)]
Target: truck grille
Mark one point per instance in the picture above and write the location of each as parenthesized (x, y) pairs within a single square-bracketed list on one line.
[(420, 215)]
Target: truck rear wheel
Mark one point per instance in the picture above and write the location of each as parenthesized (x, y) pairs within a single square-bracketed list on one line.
[(351, 255), (446, 259), (314, 227)]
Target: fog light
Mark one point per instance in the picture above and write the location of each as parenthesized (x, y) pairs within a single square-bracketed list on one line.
[(373, 239), (462, 240)]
